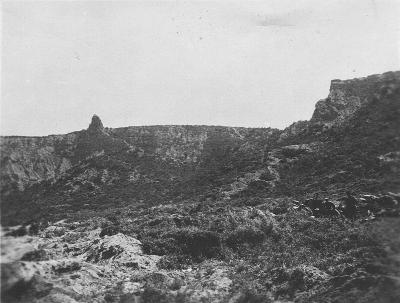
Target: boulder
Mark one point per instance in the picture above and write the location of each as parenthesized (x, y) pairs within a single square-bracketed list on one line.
[(16, 274), (119, 249), (54, 231), (14, 249)]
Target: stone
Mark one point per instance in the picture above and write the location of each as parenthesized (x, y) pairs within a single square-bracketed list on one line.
[(120, 249)]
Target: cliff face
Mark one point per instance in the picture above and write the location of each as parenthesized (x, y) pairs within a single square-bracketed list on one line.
[(363, 126), (28, 160), (347, 96)]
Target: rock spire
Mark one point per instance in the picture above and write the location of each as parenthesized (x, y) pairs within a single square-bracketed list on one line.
[(96, 125)]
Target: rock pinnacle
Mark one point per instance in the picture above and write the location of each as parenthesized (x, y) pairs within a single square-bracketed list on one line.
[(96, 125)]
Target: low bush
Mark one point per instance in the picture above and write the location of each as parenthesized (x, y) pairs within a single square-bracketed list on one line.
[(174, 262), (251, 296), (245, 235), (110, 230), (154, 295), (158, 245), (188, 241), (197, 243)]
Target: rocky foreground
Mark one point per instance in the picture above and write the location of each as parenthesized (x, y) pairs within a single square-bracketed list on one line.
[(72, 262), (204, 253)]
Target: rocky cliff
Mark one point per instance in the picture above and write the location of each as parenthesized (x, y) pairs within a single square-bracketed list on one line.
[(346, 97), (28, 160)]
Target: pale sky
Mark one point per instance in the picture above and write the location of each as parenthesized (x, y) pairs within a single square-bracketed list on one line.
[(253, 64)]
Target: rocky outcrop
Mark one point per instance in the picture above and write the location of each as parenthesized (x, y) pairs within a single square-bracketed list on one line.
[(119, 249), (87, 268), (293, 130), (97, 140), (347, 96), (81, 266), (96, 126)]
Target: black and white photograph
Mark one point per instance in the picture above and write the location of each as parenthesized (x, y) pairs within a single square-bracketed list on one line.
[(222, 151)]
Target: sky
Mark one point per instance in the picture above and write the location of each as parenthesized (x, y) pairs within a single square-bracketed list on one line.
[(233, 63)]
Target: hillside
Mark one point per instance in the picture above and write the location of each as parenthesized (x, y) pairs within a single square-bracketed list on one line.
[(208, 213), (348, 140)]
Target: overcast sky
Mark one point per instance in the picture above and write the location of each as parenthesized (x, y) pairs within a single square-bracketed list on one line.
[(254, 64)]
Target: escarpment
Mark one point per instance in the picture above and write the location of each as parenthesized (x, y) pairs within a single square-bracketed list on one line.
[(171, 156), (29, 160), (347, 96)]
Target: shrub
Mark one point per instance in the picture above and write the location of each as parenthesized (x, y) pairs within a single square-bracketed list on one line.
[(19, 232), (110, 230), (251, 296), (197, 243), (154, 245), (153, 295), (245, 234), (36, 255)]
